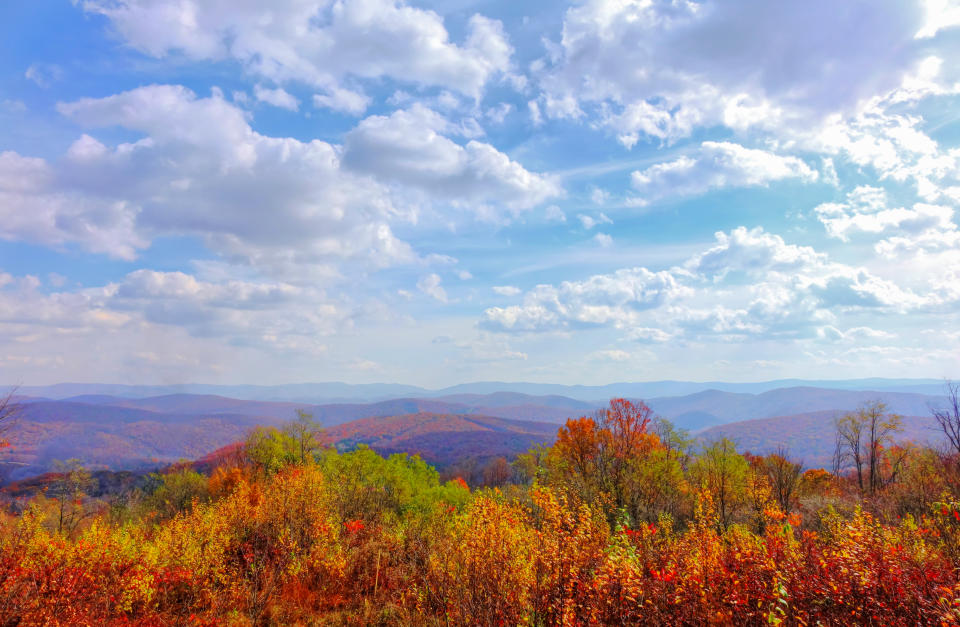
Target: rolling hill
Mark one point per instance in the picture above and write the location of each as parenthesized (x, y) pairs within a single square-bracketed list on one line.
[(714, 407), (111, 432), (808, 436), (443, 439), (107, 431), (110, 437)]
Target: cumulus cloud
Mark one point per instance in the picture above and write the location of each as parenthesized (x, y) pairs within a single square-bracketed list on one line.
[(149, 324), (717, 165), (499, 113), (317, 42), (199, 169), (603, 240), (601, 300), (920, 228), (44, 74), (553, 213), (753, 252), (343, 100), (431, 286), (588, 221), (267, 315), (276, 203), (35, 206), (750, 283), (277, 97), (788, 278), (411, 147), (660, 70)]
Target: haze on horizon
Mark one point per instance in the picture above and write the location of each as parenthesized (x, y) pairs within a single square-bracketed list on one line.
[(433, 193)]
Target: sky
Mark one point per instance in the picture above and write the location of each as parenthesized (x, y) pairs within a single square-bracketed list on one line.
[(233, 191)]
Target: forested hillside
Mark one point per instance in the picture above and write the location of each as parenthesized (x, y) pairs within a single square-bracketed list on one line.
[(128, 433)]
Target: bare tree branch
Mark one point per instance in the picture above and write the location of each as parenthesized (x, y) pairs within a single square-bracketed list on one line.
[(8, 414), (948, 418)]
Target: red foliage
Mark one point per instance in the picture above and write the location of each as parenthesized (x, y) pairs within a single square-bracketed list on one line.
[(353, 526)]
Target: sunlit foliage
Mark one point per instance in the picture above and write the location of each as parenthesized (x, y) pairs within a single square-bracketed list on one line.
[(618, 523)]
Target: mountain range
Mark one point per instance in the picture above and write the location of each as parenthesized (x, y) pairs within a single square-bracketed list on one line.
[(318, 393), (134, 432)]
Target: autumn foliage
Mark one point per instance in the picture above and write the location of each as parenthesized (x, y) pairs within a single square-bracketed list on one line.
[(620, 522)]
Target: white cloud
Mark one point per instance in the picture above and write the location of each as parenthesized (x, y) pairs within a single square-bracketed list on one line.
[(267, 315), (200, 169), (749, 284), (163, 324), (277, 97), (430, 285), (44, 74), (536, 118), (603, 240), (316, 41), (614, 299), (615, 355), (499, 113), (660, 70), (35, 207), (940, 15), (553, 213), (343, 100), (506, 290), (409, 148), (588, 221), (754, 252), (279, 204), (599, 196), (648, 335), (829, 172), (921, 228), (718, 165)]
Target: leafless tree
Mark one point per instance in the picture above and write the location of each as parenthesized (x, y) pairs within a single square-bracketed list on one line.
[(948, 418), (863, 439), (784, 475), (8, 414), (497, 472), (70, 489)]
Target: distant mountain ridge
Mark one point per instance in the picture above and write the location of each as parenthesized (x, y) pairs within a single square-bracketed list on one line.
[(444, 439), (318, 393), (132, 433), (809, 436), (714, 407), (136, 432)]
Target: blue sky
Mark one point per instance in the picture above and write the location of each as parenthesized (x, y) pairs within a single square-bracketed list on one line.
[(440, 192)]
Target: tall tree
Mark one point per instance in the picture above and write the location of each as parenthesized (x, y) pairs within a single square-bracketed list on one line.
[(948, 417), (784, 476), (8, 412), (723, 473), (305, 432), (615, 457), (863, 439), (71, 487)]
